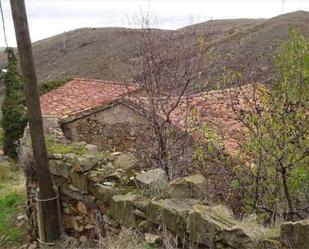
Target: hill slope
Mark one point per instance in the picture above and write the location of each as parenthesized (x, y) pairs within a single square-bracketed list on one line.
[(108, 53)]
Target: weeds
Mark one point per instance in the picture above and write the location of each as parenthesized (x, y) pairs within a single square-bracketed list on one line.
[(11, 201)]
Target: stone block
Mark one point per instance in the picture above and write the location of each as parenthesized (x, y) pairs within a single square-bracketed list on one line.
[(122, 209), (296, 234), (102, 192), (91, 148), (212, 225), (125, 161), (170, 212), (80, 181), (193, 186), (59, 168), (67, 191), (82, 164), (152, 181)]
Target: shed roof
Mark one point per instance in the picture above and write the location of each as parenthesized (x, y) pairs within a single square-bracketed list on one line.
[(79, 95)]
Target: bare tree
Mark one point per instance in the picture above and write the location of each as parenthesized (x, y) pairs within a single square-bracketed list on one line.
[(169, 67)]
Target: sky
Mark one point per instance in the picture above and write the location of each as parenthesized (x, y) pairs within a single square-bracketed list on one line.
[(50, 17)]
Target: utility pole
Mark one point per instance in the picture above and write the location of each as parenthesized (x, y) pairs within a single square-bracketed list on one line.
[(47, 195)]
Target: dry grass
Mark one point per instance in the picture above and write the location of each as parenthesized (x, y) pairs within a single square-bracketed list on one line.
[(259, 232), (12, 178), (127, 238)]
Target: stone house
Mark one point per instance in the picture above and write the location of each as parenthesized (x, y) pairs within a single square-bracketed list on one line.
[(92, 111), (98, 112)]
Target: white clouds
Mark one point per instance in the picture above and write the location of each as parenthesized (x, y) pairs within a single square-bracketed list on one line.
[(50, 17)]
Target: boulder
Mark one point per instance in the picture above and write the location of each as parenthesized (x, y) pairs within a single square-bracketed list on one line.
[(102, 192), (193, 186), (122, 209), (238, 238), (211, 225), (91, 148), (153, 181), (296, 234), (125, 161), (59, 168), (170, 212), (67, 191), (83, 164)]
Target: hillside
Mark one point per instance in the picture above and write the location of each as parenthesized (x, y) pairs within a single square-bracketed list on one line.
[(109, 53)]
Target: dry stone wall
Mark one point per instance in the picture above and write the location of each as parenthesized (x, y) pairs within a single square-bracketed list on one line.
[(102, 191)]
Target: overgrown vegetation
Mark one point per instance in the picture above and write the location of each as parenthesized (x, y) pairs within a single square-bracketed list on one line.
[(12, 199), (272, 168), (52, 85), (278, 125), (270, 174), (60, 147), (14, 113)]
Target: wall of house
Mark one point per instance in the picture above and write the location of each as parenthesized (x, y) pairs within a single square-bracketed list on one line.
[(118, 128), (112, 128)]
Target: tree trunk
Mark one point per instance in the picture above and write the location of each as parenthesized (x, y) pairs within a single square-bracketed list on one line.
[(257, 187), (287, 193), (163, 154)]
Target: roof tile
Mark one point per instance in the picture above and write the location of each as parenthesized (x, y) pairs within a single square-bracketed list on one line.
[(79, 95)]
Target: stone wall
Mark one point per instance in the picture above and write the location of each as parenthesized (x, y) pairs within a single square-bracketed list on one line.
[(111, 128), (102, 191), (118, 128)]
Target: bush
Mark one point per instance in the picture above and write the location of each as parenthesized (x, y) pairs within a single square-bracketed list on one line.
[(51, 85), (278, 136), (14, 113)]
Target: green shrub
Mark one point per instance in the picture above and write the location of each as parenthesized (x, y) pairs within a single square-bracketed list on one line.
[(278, 142), (13, 109), (51, 85)]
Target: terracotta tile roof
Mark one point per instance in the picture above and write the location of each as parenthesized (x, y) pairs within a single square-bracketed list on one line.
[(214, 109), (80, 95), (217, 110)]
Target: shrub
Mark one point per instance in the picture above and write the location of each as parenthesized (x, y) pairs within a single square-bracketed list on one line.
[(13, 109), (278, 136), (51, 85)]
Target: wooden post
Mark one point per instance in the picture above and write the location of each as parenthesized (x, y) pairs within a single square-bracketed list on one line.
[(46, 192)]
